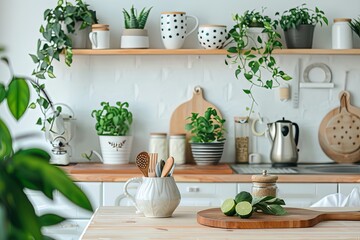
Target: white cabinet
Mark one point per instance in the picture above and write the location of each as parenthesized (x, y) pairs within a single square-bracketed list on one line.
[(299, 194), (346, 188), (78, 218), (192, 194)]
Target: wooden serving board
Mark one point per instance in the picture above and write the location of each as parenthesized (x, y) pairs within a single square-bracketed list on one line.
[(295, 218), (99, 168), (178, 120)]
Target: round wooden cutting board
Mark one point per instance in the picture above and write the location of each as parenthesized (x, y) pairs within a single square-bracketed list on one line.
[(196, 104), (295, 218), (339, 132)]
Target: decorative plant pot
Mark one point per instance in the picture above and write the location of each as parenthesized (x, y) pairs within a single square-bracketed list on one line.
[(252, 37), (115, 149), (80, 38), (207, 153), (135, 38), (300, 37)]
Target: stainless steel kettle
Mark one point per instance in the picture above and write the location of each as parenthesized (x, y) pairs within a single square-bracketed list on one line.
[(284, 151)]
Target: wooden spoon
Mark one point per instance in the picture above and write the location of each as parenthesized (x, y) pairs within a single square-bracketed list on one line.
[(142, 162), (167, 167)]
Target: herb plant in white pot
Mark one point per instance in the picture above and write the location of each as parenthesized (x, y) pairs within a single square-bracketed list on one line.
[(207, 140), (113, 126)]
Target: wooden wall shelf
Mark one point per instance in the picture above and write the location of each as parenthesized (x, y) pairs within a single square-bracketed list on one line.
[(209, 52)]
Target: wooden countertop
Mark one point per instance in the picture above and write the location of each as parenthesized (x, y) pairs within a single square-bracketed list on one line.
[(123, 223), (222, 173)]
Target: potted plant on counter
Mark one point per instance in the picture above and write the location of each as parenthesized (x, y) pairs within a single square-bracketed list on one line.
[(254, 36), (207, 140), (66, 27), (134, 35), (113, 126), (299, 23)]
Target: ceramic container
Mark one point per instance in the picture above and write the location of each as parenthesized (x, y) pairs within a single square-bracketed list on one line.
[(342, 34), (100, 36), (212, 36), (115, 149), (174, 28), (155, 197)]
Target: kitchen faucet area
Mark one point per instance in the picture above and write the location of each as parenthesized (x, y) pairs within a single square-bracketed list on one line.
[(180, 119)]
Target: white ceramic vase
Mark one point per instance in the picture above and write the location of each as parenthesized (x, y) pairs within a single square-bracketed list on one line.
[(155, 197)]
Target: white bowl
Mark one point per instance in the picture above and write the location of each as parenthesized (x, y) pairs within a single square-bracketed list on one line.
[(212, 36)]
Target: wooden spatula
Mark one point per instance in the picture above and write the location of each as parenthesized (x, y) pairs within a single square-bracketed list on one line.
[(167, 167), (142, 162)]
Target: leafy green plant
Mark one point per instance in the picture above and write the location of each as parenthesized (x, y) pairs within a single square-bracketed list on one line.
[(27, 169), (252, 62), (355, 26), (136, 21), (113, 120), (294, 17), (207, 128), (60, 22)]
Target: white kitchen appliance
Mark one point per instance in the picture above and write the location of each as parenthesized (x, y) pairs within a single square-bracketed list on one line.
[(59, 132)]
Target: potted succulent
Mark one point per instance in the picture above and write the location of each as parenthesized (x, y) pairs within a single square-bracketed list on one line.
[(134, 35), (299, 23), (254, 39), (355, 26), (65, 24), (207, 140), (113, 125)]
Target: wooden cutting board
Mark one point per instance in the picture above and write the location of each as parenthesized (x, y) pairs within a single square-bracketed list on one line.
[(339, 132), (178, 118), (296, 218), (99, 168)]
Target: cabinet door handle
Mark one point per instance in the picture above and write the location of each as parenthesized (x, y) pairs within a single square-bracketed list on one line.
[(193, 189)]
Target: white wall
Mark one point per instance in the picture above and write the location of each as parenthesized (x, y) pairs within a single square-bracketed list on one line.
[(155, 85)]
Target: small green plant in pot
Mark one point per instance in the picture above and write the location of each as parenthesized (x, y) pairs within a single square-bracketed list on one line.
[(113, 124), (254, 36), (299, 23), (134, 35), (207, 140)]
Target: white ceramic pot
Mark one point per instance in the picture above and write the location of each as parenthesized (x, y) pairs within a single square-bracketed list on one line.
[(80, 38), (135, 38), (212, 36), (155, 197), (115, 149), (253, 34)]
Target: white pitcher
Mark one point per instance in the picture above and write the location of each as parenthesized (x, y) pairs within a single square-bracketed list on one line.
[(155, 197)]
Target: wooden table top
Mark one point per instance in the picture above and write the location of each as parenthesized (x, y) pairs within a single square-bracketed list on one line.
[(122, 223)]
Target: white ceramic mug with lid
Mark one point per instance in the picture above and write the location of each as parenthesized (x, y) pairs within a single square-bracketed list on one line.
[(100, 36), (174, 28)]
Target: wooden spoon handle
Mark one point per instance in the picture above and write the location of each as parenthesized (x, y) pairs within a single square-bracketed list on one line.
[(167, 167)]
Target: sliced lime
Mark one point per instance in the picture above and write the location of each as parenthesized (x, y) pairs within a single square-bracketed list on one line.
[(228, 207), (244, 209), (243, 196)]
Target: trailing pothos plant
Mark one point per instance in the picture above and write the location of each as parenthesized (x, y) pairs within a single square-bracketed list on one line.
[(207, 128), (29, 168), (59, 24), (253, 61)]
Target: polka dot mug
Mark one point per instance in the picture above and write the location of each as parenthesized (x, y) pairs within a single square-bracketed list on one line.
[(212, 36), (173, 26)]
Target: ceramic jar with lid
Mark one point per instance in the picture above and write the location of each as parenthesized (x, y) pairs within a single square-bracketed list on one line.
[(177, 144), (342, 34), (158, 144), (264, 185)]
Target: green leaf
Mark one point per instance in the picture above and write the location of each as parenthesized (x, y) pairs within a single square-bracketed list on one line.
[(232, 50), (18, 97), (5, 141), (286, 77), (269, 84), (34, 58), (50, 219), (247, 91), (248, 76), (2, 92)]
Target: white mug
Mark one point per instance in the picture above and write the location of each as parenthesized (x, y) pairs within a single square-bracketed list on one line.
[(173, 26), (155, 197), (100, 39)]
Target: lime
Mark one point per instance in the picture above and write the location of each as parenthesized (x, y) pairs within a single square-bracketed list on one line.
[(228, 207), (243, 196), (244, 209)]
